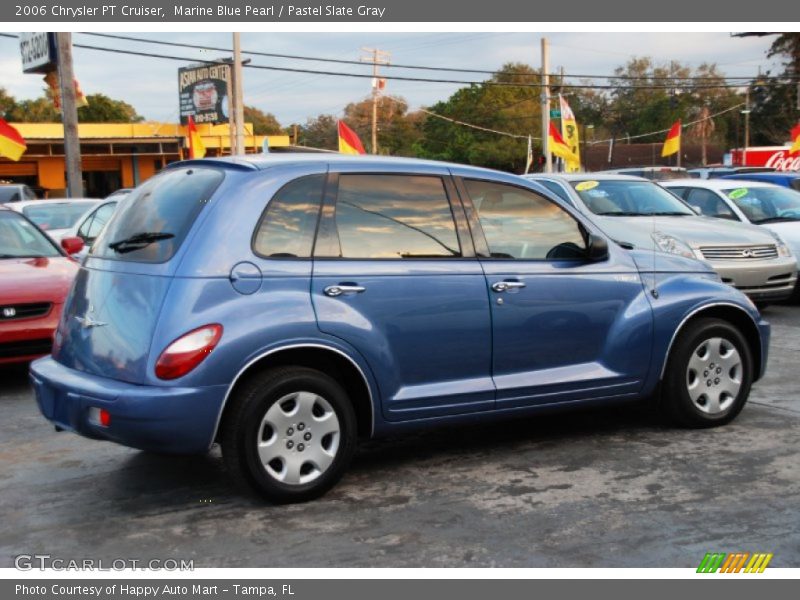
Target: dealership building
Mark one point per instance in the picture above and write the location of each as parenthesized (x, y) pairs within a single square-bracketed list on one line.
[(116, 155)]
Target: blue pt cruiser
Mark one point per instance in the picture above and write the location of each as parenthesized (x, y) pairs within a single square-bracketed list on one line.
[(287, 305)]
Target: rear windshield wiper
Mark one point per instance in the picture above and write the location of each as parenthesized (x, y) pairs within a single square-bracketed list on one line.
[(138, 241)]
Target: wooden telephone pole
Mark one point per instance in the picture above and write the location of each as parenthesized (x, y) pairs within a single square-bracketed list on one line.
[(545, 99), (69, 115), (376, 57)]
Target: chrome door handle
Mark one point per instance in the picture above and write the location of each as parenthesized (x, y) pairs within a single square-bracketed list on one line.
[(502, 286), (338, 290)]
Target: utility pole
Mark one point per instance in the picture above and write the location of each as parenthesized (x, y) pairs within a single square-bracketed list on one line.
[(746, 112), (548, 158), (376, 57), (69, 115), (238, 93)]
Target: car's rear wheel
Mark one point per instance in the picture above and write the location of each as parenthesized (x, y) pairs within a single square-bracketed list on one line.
[(708, 375), (289, 434)]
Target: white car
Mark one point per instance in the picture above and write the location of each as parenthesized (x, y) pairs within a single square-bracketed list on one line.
[(772, 206), (55, 217), (642, 214), (91, 223)]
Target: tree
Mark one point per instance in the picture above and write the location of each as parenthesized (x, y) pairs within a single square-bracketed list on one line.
[(7, 102), (40, 110), (320, 132), (512, 109), (263, 123), (397, 130), (774, 107), (102, 109)]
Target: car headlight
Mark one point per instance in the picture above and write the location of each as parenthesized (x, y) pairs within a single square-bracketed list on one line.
[(783, 249), (672, 245)]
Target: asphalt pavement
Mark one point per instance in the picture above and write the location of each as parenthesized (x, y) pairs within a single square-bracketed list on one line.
[(600, 488)]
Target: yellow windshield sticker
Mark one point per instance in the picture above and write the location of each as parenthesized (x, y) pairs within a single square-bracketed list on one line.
[(738, 193), (584, 186)]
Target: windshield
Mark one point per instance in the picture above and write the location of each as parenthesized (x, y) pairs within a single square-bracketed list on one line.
[(20, 239), (619, 198), (765, 204), (151, 223), (57, 215), (9, 194)]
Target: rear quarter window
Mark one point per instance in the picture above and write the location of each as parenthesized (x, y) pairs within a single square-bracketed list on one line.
[(158, 215)]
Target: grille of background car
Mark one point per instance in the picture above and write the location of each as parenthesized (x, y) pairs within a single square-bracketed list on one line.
[(25, 348), (766, 251), (24, 311)]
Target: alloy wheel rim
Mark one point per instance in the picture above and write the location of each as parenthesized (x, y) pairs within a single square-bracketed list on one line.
[(714, 375), (298, 438)]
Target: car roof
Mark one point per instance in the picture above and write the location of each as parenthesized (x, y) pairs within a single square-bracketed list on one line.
[(586, 176), (267, 161), (24, 203), (766, 175), (717, 183)]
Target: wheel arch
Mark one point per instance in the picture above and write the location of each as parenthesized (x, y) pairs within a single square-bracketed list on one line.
[(326, 359), (732, 313)]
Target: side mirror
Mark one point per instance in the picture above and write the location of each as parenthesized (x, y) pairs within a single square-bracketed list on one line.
[(696, 210), (597, 248), (72, 245)]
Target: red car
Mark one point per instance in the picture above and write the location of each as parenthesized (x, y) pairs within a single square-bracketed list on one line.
[(35, 276)]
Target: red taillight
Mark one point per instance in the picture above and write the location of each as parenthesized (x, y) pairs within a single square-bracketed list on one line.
[(105, 417), (188, 351)]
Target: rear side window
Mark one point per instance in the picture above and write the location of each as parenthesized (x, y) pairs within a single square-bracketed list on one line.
[(156, 217), (394, 217), (287, 228)]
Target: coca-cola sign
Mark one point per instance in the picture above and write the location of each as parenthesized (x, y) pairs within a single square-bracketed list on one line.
[(777, 157), (781, 161)]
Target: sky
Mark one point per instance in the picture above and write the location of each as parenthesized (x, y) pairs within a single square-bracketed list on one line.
[(150, 84)]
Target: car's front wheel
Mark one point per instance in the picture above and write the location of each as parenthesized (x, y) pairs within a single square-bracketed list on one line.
[(708, 375), (289, 434)]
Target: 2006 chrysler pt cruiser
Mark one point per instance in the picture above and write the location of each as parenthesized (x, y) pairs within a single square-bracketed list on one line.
[(285, 306)]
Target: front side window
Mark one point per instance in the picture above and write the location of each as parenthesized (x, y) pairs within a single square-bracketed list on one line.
[(521, 224), (157, 216), (92, 226), (287, 228), (394, 217), (709, 204)]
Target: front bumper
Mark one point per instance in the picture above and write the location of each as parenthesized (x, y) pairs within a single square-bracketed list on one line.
[(22, 340), (160, 419), (771, 280), (764, 333)]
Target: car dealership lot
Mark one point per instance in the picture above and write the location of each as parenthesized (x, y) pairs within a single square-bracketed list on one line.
[(602, 488)]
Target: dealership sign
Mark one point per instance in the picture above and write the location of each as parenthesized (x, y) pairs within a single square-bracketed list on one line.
[(38, 52), (777, 157), (203, 93)]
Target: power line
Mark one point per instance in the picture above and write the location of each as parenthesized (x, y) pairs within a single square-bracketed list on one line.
[(668, 78), (400, 77)]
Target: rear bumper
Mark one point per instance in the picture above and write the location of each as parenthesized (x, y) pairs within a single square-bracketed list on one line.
[(159, 419)]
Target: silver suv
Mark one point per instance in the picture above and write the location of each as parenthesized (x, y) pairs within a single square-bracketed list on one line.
[(642, 214)]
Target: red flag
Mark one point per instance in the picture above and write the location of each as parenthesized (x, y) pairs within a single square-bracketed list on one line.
[(196, 147), (348, 140), (12, 144), (672, 144), (795, 140)]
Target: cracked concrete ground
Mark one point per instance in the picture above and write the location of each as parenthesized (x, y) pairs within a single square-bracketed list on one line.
[(603, 488)]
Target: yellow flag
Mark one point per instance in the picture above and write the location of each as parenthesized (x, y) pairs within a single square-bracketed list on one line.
[(569, 131)]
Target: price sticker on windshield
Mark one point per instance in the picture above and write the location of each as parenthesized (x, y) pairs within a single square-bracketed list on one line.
[(738, 193), (585, 186)]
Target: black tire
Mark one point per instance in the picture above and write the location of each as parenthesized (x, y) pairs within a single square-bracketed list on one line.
[(242, 426), (676, 402)]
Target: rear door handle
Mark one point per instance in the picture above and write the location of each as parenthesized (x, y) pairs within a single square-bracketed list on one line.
[(502, 286), (338, 290)]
